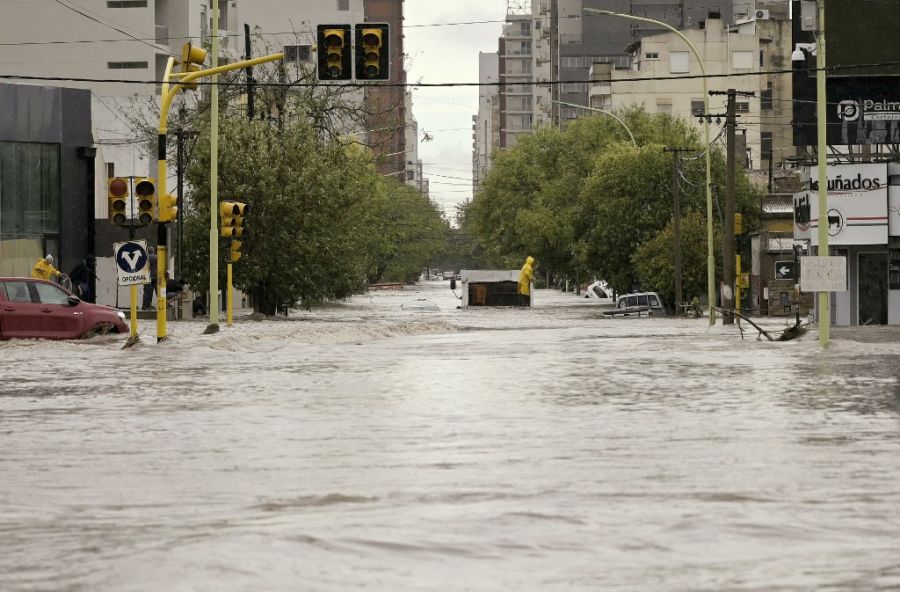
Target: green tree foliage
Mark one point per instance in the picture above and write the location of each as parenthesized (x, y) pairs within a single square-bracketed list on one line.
[(654, 261), (584, 198), (322, 221)]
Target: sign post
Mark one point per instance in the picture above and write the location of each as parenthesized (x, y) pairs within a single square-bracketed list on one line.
[(131, 266)]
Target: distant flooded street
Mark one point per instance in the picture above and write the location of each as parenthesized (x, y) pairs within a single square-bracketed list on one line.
[(366, 446)]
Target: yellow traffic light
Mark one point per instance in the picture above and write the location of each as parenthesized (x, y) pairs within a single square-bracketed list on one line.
[(232, 218), (334, 52), (738, 224), (145, 194), (119, 198), (168, 207), (235, 250), (192, 58), (372, 58)]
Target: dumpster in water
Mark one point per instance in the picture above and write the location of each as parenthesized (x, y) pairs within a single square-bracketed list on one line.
[(492, 287)]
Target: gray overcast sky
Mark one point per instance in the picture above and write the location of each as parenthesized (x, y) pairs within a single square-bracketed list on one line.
[(448, 54)]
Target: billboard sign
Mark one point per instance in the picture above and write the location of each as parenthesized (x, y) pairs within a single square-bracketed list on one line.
[(862, 87), (857, 206)]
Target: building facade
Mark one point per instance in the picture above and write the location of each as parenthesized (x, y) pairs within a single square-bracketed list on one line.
[(666, 77), (47, 177), (486, 123)]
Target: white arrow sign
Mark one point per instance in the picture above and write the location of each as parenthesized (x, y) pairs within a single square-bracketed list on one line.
[(131, 262), (784, 270)]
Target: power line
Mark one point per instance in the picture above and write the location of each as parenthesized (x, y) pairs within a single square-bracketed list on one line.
[(459, 84)]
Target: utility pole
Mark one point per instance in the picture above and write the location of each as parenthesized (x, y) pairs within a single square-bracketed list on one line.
[(728, 231), (729, 263), (676, 224), (824, 308)]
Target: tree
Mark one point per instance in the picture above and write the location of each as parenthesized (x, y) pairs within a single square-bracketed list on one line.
[(584, 198), (654, 260)]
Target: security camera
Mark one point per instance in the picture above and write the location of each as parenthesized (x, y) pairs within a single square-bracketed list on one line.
[(800, 50)]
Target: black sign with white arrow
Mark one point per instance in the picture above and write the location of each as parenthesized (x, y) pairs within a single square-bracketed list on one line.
[(784, 270)]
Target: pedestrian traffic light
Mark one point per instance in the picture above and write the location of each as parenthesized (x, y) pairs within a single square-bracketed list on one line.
[(145, 194), (235, 250), (192, 58), (168, 208), (372, 57), (333, 46), (232, 218), (119, 198)]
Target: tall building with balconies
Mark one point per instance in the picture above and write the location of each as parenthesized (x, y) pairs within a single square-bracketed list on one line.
[(515, 63)]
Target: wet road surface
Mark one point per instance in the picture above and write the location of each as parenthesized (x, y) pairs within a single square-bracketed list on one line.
[(364, 446)]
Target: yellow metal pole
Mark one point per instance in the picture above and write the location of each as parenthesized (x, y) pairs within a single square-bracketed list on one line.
[(168, 94), (214, 178), (162, 228), (134, 323), (228, 308), (737, 286), (711, 258), (821, 114)]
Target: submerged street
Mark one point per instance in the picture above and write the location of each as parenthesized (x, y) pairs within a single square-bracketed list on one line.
[(362, 445)]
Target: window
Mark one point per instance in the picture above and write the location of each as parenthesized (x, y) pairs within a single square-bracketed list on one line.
[(765, 102), (298, 53), (572, 62), (50, 294), (663, 107), (742, 60), (651, 55), (526, 27), (126, 4), (765, 145), (742, 107), (654, 301), (127, 65), (642, 300), (17, 292), (678, 62), (343, 4), (762, 58), (29, 189), (697, 107)]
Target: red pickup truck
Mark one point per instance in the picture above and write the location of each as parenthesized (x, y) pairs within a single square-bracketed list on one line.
[(38, 309)]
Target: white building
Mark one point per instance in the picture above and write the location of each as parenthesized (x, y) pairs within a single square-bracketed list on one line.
[(661, 79)]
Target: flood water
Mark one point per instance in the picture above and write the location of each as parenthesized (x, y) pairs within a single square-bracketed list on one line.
[(366, 446)]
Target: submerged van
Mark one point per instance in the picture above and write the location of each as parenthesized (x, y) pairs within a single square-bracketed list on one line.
[(647, 303)]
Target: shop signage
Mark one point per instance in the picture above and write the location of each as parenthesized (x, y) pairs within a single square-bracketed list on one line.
[(857, 206)]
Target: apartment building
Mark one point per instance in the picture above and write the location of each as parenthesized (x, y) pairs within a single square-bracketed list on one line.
[(486, 123), (658, 58), (548, 48)]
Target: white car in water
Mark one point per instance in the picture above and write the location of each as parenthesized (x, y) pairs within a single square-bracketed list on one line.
[(599, 291)]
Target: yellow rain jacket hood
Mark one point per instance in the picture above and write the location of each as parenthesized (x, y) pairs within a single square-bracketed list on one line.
[(525, 276)]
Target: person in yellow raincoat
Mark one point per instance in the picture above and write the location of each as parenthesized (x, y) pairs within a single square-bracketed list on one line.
[(525, 281), (44, 270)]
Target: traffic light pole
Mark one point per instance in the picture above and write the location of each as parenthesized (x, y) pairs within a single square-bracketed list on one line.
[(229, 298), (213, 325), (169, 91)]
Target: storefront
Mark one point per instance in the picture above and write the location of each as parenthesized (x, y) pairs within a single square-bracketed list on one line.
[(46, 177), (863, 221)]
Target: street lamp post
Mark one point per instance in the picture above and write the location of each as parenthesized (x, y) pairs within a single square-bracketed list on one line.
[(611, 114), (172, 84), (711, 259)]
